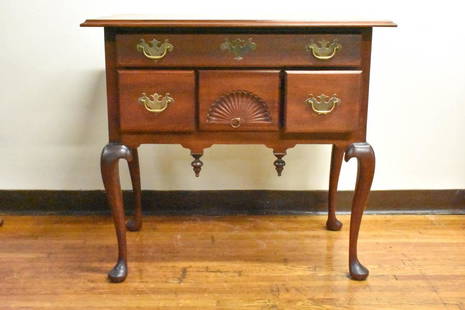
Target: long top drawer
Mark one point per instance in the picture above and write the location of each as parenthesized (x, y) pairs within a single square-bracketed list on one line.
[(238, 50)]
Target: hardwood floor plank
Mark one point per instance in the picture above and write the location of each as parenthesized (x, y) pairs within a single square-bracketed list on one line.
[(258, 262)]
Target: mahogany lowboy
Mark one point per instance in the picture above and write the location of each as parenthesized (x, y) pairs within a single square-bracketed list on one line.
[(199, 83)]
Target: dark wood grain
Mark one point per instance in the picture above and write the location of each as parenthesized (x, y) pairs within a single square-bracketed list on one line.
[(224, 97), (166, 23), (111, 154), (337, 154), (300, 85), (366, 169), (135, 223), (366, 63), (199, 140), (272, 50), (114, 131), (261, 85), (180, 114)]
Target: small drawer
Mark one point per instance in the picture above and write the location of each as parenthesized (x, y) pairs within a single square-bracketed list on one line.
[(240, 50), (239, 100), (322, 101), (156, 101)]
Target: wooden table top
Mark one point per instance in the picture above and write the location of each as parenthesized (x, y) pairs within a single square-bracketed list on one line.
[(150, 21)]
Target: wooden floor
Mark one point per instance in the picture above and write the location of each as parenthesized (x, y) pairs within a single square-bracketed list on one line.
[(259, 262)]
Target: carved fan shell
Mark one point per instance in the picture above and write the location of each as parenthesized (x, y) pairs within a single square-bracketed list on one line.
[(239, 104)]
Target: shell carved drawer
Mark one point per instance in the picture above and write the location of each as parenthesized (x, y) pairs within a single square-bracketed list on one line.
[(239, 100), (200, 83)]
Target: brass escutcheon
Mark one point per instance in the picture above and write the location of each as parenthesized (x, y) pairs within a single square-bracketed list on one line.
[(235, 122), (324, 49), (238, 47), (323, 104), (154, 49), (157, 103)]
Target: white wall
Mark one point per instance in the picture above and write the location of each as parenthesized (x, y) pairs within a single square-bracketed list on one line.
[(53, 114)]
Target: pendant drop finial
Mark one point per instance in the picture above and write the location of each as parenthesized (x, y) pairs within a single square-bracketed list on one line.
[(279, 163), (197, 163)]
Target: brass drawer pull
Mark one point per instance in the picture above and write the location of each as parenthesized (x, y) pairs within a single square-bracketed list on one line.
[(154, 49), (157, 104), (238, 47), (235, 122), (323, 104), (324, 49)]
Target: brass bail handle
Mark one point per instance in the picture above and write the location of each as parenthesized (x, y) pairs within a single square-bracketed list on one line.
[(322, 104), (238, 47), (154, 49), (155, 103), (324, 49)]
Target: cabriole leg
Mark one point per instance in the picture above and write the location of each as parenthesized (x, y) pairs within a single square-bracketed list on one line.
[(111, 153), (336, 162), (135, 223), (366, 168)]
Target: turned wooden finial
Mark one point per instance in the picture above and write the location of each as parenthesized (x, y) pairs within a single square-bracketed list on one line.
[(197, 163), (279, 163)]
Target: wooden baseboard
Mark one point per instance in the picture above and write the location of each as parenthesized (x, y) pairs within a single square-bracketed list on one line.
[(230, 202)]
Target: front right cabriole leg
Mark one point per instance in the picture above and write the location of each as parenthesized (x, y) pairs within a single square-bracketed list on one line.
[(366, 168), (111, 154)]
